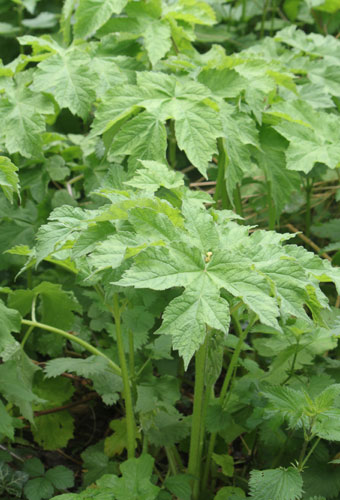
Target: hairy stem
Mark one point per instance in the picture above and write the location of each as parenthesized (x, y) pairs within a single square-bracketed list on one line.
[(195, 452), (130, 418), (222, 165), (172, 145), (271, 208), (238, 202), (73, 338)]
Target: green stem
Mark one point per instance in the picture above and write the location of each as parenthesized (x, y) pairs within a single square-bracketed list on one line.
[(271, 208), (132, 362), (222, 165), (172, 145), (66, 20), (73, 338), (302, 453), (316, 442), (292, 369), (228, 377), (130, 418), (145, 444), (263, 20), (234, 360), (309, 187), (238, 201), (195, 452), (31, 328), (171, 460)]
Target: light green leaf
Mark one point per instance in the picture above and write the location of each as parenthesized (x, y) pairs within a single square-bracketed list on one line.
[(72, 84), (151, 175), (22, 117), (54, 430), (117, 442), (92, 14), (191, 11), (283, 484), (65, 222), (157, 40)]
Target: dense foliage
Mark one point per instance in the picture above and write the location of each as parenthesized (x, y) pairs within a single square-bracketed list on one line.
[(169, 308)]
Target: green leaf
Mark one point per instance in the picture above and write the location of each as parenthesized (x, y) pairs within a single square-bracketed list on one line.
[(72, 84), (117, 442), (186, 316), (230, 493), (38, 488), (223, 82), (285, 484), (34, 467), (157, 40), (289, 403), (143, 137), (61, 477), (16, 378), (11, 482), (66, 221), (54, 430), (82, 367), (10, 321), (226, 462), (92, 14), (179, 485), (271, 159), (6, 423), (240, 132), (313, 135), (22, 117), (152, 175), (135, 482), (9, 180), (197, 128), (57, 306), (191, 11)]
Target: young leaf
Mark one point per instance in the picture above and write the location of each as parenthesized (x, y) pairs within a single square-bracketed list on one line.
[(92, 14)]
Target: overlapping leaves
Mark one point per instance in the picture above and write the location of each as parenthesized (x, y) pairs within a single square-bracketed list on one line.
[(205, 253)]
